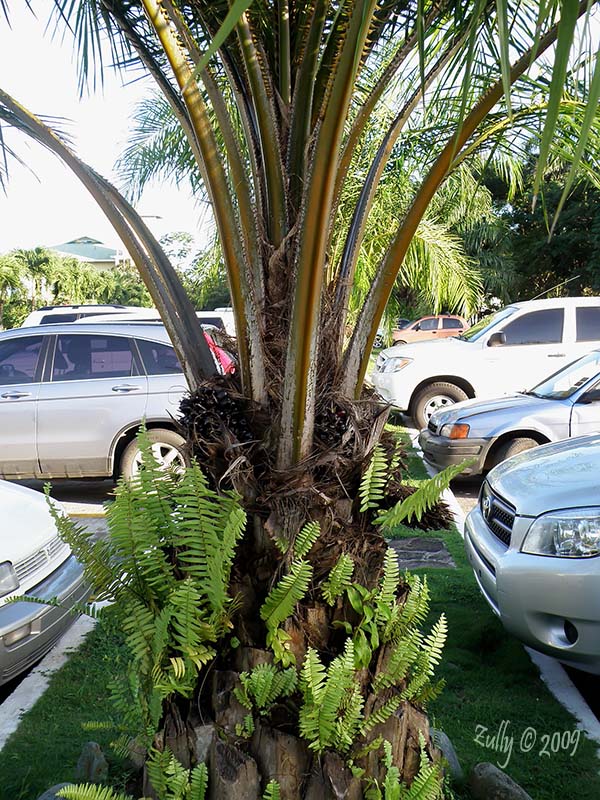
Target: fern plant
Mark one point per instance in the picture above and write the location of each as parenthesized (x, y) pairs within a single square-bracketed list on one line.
[(427, 784), (417, 503), (280, 604), (374, 480), (166, 564), (260, 689)]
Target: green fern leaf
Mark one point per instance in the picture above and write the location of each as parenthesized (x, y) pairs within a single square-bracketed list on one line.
[(91, 791), (339, 579), (374, 480), (426, 496), (306, 538), (281, 600), (272, 792)]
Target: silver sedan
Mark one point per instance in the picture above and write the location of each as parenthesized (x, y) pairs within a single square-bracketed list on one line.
[(489, 431)]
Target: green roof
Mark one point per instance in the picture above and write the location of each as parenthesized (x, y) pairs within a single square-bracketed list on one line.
[(86, 249)]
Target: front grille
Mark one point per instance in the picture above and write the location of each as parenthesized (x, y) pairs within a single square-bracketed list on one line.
[(380, 363), (432, 426), (498, 514), (30, 565)]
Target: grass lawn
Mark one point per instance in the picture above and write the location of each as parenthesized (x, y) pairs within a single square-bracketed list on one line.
[(491, 682), (45, 748)]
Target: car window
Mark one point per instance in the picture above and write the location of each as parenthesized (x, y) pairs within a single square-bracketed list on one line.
[(567, 380), (428, 324), (52, 319), (19, 359), (537, 327), (588, 324), (449, 322), (78, 357), (158, 359)]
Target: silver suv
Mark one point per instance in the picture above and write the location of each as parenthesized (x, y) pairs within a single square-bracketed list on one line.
[(72, 399)]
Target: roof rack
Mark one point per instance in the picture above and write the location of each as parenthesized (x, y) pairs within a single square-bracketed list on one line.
[(83, 305)]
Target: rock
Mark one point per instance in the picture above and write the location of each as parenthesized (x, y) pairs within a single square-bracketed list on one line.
[(443, 743), (232, 774), (205, 735), (92, 767), (487, 782), (51, 793), (421, 552), (136, 753)]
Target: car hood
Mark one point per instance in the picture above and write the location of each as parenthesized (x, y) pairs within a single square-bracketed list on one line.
[(503, 409), (554, 476), (26, 522), (451, 345)]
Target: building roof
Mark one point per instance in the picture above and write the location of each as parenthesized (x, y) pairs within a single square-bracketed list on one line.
[(86, 249)]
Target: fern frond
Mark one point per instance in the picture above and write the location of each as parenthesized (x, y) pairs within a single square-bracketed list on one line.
[(374, 480), (306, 538), (426, 496), (272, 792), (428, 782), (382, 714), (390, 579), (199, 782), (91, 791), (339, 579), (282, 599)]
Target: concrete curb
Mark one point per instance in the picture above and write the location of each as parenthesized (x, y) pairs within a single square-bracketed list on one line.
[(552, 672)]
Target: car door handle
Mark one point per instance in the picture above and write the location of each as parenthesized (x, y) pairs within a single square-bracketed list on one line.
[(124, 388), (556, 355), (15, 395)]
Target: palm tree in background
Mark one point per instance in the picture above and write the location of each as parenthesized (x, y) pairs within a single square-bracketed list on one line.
[(274, 101), (38, 265), (11, 280)]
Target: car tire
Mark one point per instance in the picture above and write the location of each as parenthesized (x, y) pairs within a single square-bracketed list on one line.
[(399, 341), (433, 397), (512, 447), (169, 449)]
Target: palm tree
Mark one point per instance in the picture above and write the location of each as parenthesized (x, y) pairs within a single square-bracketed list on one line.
[(11, 279), (39, 264), (274, 100)]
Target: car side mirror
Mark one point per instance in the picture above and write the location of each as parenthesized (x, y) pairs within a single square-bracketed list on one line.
[(591, 396), (497, 339), (417, 328)]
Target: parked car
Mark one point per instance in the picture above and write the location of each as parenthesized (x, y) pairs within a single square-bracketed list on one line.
[(507, 352), (533, 541), (50, 315), (210, 320), (33, 562), (565, 404), (432, 327), (72, 398), (382, 336)]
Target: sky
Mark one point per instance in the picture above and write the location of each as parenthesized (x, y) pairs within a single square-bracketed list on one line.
[(44, 204)]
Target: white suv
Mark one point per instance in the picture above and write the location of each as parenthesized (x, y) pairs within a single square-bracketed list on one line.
[(511, 350), (51, 315)]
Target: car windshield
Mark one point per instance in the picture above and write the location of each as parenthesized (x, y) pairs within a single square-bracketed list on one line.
[(567, 380), (480, 328)]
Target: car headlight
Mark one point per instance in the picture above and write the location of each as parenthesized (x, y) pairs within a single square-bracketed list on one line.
[(455, 430), (396, 364), (574, 533), (8, 578)]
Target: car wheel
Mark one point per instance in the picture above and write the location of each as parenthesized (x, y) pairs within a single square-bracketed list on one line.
[(432, 398), (378, 342), (168, 448), (512, 447), (399, 341)]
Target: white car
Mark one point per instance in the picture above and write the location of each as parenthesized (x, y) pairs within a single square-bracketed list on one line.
[(50, 315), (33, 561), (512, 350)]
